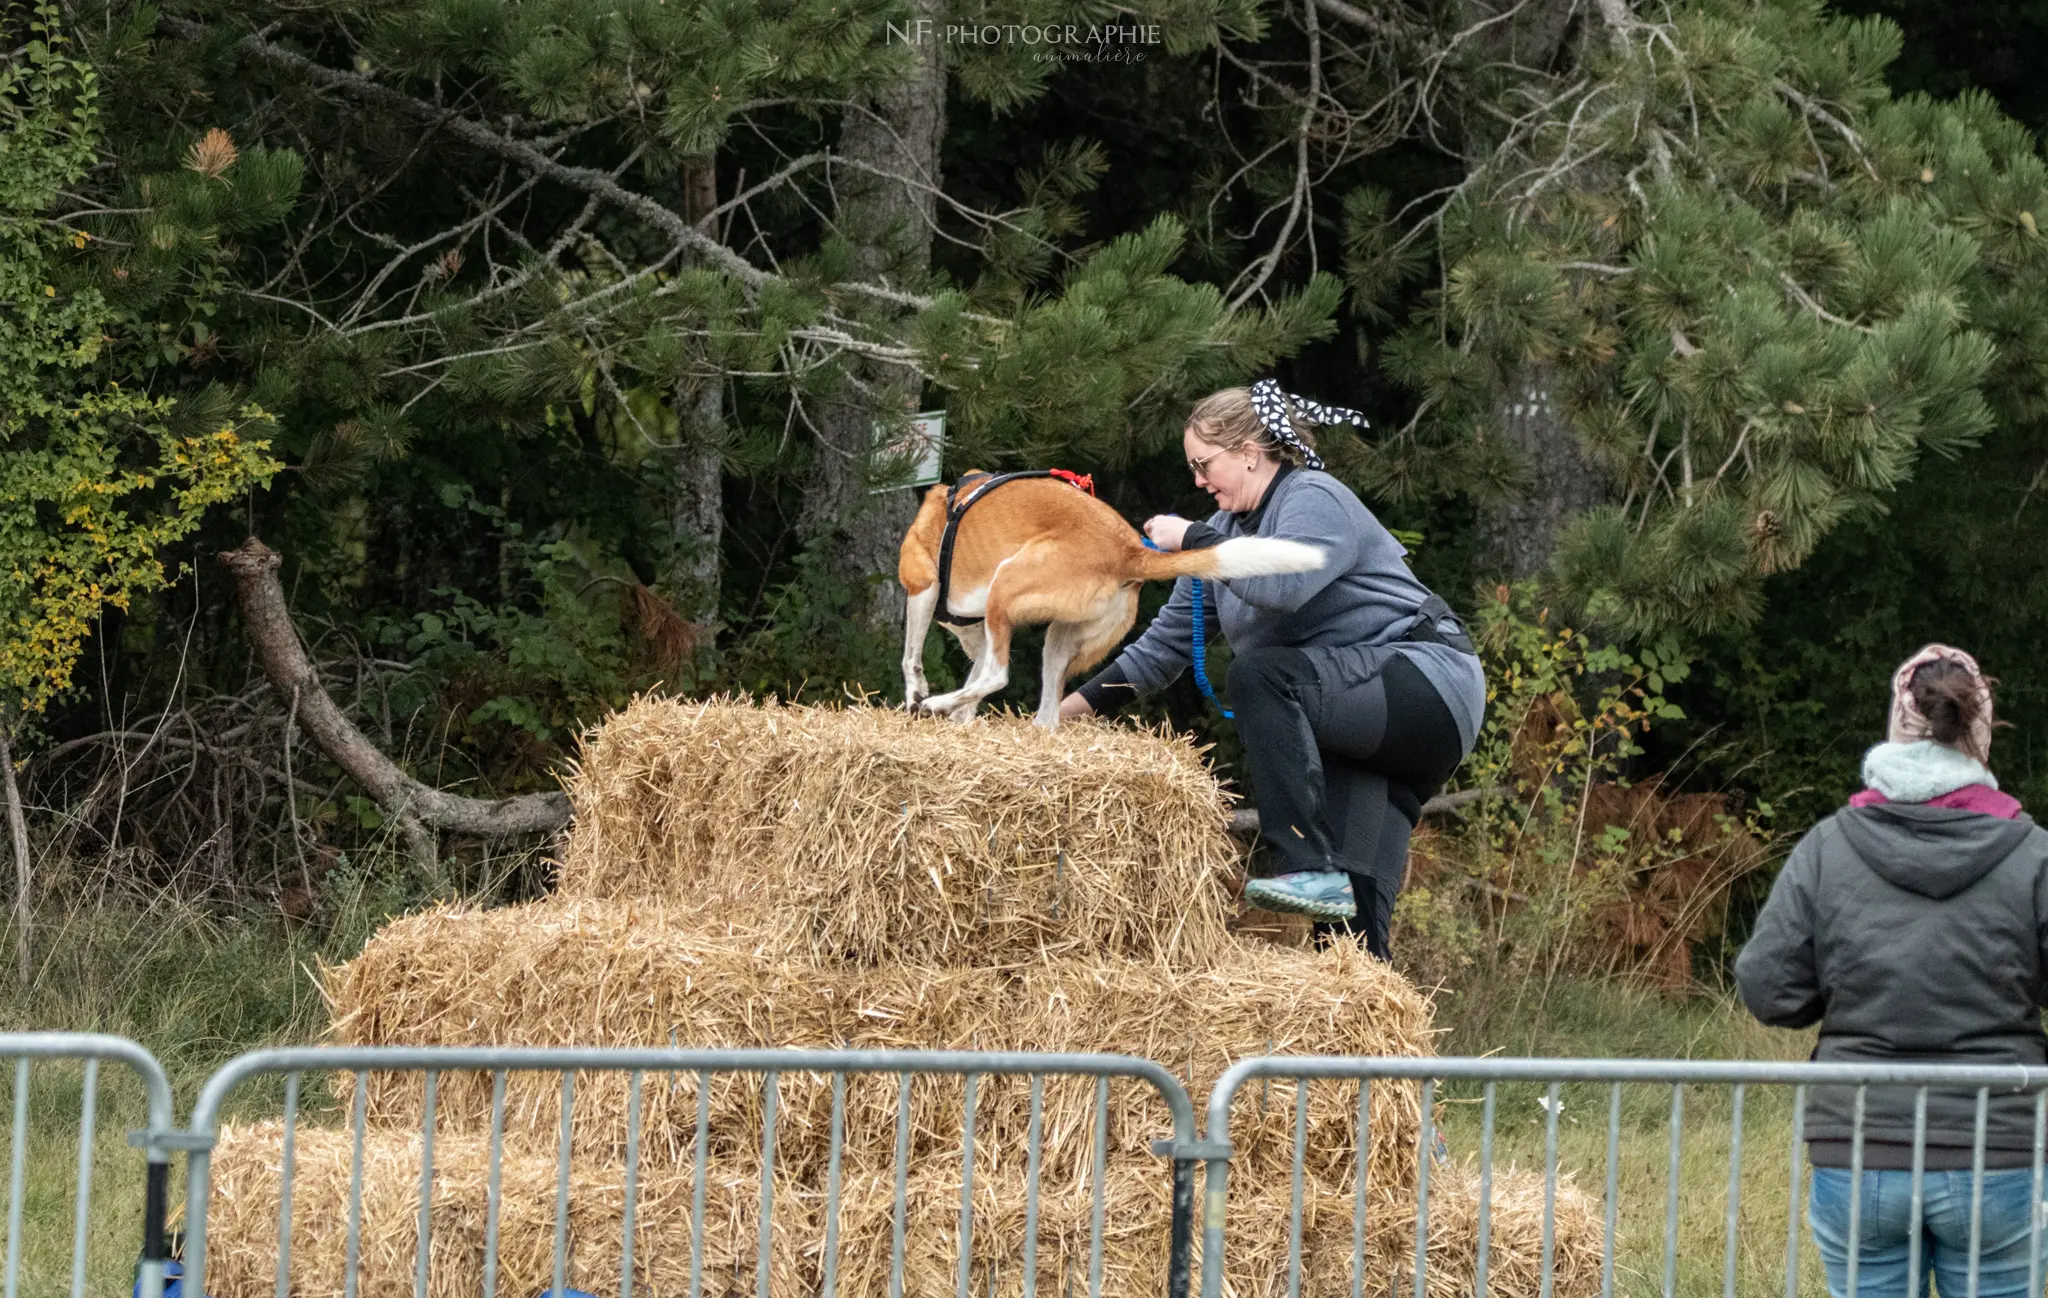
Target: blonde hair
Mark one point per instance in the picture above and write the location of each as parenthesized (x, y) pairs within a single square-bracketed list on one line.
[(1227, 421)]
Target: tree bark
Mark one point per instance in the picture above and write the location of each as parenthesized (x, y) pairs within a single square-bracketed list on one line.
[(17, 830), (419, 810), (697, 511), (1522, 531), (888, 218), (697, 501)]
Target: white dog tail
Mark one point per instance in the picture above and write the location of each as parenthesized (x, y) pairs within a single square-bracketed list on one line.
[(1240, 556)]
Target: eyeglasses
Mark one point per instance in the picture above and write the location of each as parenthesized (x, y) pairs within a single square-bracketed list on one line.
[(1201, 466)]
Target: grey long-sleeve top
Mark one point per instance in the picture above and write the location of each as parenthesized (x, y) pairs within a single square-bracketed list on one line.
[(1347, 614)]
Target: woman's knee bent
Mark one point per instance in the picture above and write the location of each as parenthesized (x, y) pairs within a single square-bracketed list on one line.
[(1267, 673)]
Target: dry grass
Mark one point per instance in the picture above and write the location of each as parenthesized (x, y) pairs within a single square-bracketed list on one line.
[(868, 835), (613, 974)]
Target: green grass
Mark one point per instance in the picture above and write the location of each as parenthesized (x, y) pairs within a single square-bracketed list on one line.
[(1615, 1021), (193, 989)]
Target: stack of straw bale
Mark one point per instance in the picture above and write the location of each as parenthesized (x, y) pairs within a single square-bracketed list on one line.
[(756, 876), (871, 836)]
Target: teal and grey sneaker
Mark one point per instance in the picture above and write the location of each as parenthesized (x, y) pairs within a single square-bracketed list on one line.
[(1320, 894)]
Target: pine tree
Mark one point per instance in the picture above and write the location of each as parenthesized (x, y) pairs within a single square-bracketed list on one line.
[(1700, 289)]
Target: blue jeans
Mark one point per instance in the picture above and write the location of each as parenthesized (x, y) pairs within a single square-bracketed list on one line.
[(1884, 1232)]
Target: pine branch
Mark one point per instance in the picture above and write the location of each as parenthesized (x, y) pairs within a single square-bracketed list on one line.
[(523, 154), (1806, 300)]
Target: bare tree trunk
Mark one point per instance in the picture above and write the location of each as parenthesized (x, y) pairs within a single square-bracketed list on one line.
[(697, 502), (888, 218), (422, 812), (697, 510), (1522, 532), (17, 829)]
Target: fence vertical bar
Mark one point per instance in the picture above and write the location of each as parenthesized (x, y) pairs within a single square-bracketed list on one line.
[(426, 1220), (627, 1227), (1100, 1171), (88, 1118), (1425, 1147), (832, 1173), (967, 1187), (1358, 1195), (699, 1156), (494, 1192), (563, 1152), (1551, 1110), (1613, 1187), (18, 1176), (1294, 1201), (1728, 1255), (1917, 1198), (284, 1185), (1977, 1193), (1792, 1199), (1033, 1152), (1671, 1190), (902, 1186), (1856, 1186), (2034, 1228), (771, 1089), (350, 1280)]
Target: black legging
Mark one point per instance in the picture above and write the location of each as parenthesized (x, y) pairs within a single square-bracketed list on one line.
[(1340, 775)]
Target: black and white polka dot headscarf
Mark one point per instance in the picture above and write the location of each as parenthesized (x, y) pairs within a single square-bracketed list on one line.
[(1270, 404)]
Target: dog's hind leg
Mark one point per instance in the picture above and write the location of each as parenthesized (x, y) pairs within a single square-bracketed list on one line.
[(1077, 646), (972, 642), (1062, 639), (917, 619), (989, 645)]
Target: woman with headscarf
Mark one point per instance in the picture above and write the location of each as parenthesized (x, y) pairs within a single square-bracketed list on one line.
[(1356, 691), (1912, 925)]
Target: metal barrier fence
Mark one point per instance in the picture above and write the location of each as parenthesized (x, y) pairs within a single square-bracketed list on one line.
[(90, 1050), (1679, 1190), (432, 1064), (1449, 1088)]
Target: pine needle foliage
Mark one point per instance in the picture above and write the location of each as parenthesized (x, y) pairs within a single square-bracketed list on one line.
[(1763, 289)]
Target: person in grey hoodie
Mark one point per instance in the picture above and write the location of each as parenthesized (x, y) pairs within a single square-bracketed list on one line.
[(1913, 926), (1357, 691)]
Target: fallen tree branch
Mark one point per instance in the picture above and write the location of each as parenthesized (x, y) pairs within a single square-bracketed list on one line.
[(414, 805), (1244, 822)]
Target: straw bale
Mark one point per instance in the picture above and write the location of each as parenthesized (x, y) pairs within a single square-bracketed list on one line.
[(1136, 1218), (611, 974), (870, 835), (242, 1222)]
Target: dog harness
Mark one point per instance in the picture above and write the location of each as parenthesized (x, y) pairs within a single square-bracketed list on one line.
[(956, 509)]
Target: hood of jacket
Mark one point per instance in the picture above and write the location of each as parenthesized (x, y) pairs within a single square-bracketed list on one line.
[(1922, 770), (1932, 851)]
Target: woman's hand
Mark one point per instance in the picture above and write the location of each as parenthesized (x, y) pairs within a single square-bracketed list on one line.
[(1167, 530), (1074, 706)]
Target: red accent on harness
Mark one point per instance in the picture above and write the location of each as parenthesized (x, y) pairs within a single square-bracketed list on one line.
[(1085, 481)]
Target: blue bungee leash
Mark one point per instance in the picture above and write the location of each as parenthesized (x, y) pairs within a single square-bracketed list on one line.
[(1200, 637)]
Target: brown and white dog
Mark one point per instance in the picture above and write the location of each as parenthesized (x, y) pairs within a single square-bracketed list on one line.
[(1038, 550)]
